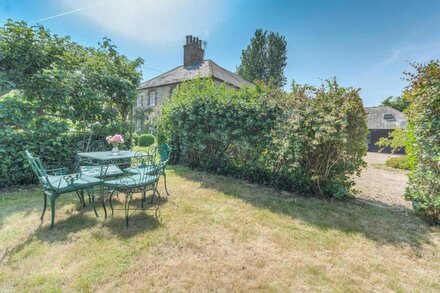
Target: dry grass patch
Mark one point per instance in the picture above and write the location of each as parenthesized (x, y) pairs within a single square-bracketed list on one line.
[(217, 234)]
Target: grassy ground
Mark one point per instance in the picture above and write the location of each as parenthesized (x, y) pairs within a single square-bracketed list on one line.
[(217, 234)]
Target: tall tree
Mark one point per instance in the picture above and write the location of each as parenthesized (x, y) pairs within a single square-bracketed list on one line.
[(265, 58), (397, 103)]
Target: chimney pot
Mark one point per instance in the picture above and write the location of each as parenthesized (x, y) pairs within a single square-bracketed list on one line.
[(193, 52)]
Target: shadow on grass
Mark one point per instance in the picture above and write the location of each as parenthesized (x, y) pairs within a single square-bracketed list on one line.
[(385, 225), (82, 219)]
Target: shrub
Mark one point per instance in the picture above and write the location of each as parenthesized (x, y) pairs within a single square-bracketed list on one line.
[(310, 141), (52, 139), (398, 163), (423, 146), (322, 141), (146, 140), (135, 139)]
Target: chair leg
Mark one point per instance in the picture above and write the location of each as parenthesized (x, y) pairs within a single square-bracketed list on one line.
[(110, 201), (103, 205), (143, 198), (81, 198), (165, 182), (52, 208), (152, 197), (127, 207), (158, 199), (45, 205), (91, 194)]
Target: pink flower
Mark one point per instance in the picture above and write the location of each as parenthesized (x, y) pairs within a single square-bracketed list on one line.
[(117, 138)]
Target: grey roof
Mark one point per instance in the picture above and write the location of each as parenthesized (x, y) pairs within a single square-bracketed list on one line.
[(207, 68), (384, 117)]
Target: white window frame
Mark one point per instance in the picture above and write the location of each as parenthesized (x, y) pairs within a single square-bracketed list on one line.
[(152, 99), (142, 101), (139, 101)]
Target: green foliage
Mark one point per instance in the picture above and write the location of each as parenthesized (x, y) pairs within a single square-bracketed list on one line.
[(423, 148), (146, 140), (398, 103), (309, 141), (265, 58), (135, 139), (53, 93), (396, 140), (399, 163), (64, 79), (322, 141)]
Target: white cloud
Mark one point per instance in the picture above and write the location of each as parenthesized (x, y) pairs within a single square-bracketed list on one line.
[(153, 22)]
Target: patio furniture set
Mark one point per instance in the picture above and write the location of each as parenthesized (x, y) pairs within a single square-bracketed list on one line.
[(107, 173)]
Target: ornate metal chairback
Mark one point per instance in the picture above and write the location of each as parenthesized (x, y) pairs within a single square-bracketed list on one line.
[(98, 146), (38, 169), (164, 152), (144, 161)]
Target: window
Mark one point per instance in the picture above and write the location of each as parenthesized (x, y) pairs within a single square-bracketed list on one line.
[(389, 117), (139, 101), (142, 101), (152, 101)]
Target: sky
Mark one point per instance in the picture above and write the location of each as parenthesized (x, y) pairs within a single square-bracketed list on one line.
[(365, 44)]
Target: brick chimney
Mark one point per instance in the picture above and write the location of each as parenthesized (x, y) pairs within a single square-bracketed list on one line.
[(192, 51)]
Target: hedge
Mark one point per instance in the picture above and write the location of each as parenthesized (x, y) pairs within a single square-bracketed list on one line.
[(52, 139), (399, 163), (146, 140), (310, 141), (423, 146)]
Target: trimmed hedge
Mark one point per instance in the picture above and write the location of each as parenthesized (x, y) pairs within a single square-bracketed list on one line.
[(146, 140), (310, 141), (399, 163)]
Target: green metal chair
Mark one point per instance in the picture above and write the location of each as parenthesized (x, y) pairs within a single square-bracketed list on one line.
[(164, 152), (56, 182), (142, 178)]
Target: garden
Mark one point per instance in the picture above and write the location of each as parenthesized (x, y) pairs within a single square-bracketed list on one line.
[(239, 189)]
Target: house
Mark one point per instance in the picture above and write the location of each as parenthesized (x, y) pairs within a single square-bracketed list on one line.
[(381, 121), (154, 92)]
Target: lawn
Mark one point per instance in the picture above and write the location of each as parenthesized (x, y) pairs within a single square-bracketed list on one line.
[(217, 234)]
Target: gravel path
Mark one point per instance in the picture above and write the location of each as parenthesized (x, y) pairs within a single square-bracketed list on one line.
[(381, 184)]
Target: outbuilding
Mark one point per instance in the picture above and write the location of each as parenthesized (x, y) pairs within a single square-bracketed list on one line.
[(381, 121)]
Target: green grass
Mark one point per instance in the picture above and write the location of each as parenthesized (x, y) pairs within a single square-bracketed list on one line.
[(216, 234)]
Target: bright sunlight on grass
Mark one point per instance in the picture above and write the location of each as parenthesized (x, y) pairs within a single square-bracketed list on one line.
[(216, 233)]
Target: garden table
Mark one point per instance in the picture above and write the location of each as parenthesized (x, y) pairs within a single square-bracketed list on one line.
[(104, 160)]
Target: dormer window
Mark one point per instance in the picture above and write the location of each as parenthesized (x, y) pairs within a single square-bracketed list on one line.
[(389, 117)]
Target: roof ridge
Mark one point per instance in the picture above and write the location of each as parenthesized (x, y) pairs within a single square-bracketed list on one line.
[(159, 75)]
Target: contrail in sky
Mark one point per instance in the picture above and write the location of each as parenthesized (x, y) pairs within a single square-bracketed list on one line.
[(69, 12)]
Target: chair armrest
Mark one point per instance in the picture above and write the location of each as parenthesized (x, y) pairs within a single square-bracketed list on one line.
[(57, 171)]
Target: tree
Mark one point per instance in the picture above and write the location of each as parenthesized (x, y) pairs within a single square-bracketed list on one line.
[(64, 79), (396, 140), (265, 58), (397, 103)]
